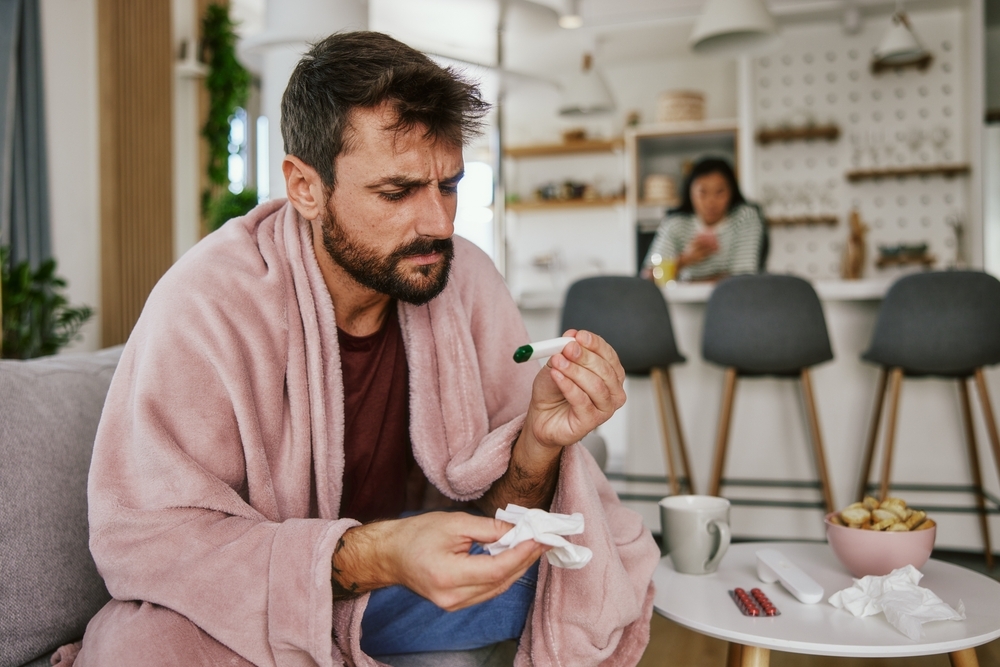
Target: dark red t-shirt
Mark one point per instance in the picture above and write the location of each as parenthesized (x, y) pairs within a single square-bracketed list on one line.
[(379, 459)]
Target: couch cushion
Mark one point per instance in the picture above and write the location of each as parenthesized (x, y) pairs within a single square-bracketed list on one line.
[(49, 588)]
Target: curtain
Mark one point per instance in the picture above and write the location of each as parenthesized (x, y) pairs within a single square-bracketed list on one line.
[(24, 190)]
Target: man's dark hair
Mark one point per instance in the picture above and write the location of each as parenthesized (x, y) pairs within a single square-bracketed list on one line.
[(704, 167), (362, 70)]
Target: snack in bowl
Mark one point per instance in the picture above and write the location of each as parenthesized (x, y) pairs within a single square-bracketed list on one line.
[(876, 537)]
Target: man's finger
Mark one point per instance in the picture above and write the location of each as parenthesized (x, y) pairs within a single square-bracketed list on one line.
[(596, 377), (511, 566), (600, 348)]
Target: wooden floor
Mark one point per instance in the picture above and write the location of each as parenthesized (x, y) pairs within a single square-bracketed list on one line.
[(671, 644)]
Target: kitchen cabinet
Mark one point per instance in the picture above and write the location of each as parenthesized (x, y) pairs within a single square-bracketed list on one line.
[(565, 219)]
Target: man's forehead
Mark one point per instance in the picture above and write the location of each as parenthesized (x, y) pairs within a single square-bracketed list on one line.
[(376, 129)]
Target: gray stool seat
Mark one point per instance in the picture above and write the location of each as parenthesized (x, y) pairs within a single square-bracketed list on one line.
[(766, 325), (631, 315), (942, 324)]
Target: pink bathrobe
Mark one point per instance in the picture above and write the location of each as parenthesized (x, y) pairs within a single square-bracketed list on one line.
[(217, 473)]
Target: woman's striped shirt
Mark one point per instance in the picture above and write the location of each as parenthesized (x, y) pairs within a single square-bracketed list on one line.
[(739, 235)]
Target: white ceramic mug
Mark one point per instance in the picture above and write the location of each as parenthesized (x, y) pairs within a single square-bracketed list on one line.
[(695, 532)]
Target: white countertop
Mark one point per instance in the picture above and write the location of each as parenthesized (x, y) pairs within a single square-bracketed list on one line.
[(828, 290)]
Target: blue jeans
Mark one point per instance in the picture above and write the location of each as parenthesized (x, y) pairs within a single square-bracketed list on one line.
[(397, 620)]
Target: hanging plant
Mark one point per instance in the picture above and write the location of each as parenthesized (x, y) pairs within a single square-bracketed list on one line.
[(228, 84), (37, 318), (229, 205)]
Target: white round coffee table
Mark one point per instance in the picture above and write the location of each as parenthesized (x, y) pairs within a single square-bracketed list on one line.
[(702, 603)]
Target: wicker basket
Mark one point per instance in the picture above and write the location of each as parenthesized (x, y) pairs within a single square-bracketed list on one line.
[(680, 105)]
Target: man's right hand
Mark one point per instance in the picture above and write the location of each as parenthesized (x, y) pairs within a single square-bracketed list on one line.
[(429, 554)]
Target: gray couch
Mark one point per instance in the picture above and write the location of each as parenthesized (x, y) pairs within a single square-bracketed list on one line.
[(49, 586)]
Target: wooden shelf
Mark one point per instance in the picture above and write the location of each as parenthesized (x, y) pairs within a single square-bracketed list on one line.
[(946, 170), (830, 220), (806, 133), (926, 260), (922, 64), (563, 204), (568, 148)]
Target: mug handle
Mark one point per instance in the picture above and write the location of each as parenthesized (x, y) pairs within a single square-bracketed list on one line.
[(724, 537)]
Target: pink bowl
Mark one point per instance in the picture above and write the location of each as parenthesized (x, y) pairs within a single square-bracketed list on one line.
[(865, 552)]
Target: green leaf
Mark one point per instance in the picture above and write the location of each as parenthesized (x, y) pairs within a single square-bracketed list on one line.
[(37, 319)]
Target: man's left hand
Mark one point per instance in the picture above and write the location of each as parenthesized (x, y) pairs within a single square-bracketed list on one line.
[(575, 392)]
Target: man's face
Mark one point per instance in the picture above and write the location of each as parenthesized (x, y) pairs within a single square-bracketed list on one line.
[(391, 214)]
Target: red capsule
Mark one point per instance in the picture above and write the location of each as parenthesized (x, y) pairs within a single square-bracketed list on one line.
[(739, 591), (770, 611)]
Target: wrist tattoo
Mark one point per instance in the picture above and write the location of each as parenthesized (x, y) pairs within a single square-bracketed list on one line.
[(341, 590)]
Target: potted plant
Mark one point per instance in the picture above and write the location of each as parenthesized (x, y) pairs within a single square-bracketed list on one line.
[(37, 318)]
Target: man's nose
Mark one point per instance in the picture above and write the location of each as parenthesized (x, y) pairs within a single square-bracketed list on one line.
[(437, 216)]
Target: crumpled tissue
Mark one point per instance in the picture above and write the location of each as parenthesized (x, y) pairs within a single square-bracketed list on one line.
[(906, 605), (544, 528)]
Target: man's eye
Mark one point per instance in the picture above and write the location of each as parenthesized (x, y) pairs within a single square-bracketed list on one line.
[(448, 189), (394, 196)]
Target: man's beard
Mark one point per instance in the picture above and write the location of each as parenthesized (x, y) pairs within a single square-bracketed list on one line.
[(385, 273)]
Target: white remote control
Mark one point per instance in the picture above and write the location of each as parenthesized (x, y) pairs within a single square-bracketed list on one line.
[(772, 566)]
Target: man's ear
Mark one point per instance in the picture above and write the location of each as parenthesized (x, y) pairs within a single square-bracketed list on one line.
[(304, 187)]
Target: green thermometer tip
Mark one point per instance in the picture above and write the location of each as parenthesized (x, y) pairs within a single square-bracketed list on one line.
[(522, 353)]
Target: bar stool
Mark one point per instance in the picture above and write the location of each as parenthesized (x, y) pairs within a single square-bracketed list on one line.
[(943, 324), (766, 325), (631, 315)]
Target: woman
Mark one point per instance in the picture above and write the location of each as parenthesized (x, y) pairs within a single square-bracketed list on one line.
[(714, 233)]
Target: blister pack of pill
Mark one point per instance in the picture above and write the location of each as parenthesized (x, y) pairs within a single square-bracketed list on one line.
[(754, 603)]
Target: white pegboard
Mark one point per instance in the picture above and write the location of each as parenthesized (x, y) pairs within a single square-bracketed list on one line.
[(898, 118)]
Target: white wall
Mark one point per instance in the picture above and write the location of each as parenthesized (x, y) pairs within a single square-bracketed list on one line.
[(69, 38)]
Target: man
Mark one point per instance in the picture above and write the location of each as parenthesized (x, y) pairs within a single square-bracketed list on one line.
[(318, 368)]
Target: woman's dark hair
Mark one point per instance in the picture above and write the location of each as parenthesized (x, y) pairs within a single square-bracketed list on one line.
[(703, 167), (362, 70)]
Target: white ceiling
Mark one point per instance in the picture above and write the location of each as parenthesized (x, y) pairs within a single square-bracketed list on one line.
[(616, 31)]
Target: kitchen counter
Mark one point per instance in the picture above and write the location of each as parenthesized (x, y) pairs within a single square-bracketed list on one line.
[(769, 435), (828, 290)]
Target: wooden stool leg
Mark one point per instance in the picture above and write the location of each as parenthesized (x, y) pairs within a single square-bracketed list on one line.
[(991, 424), (754, 656), (656, 375), (896, 382), (817, 440), (735, 656), (866, 465), (722, 437), (964, 658), (977, 477), (668, 380)]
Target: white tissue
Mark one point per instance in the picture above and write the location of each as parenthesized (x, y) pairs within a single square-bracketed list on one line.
[(906, 605), (544, 528)]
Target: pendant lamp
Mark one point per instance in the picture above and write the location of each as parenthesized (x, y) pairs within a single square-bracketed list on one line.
[(570, 17), (585, 93), (900, 47), (732, 27)]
